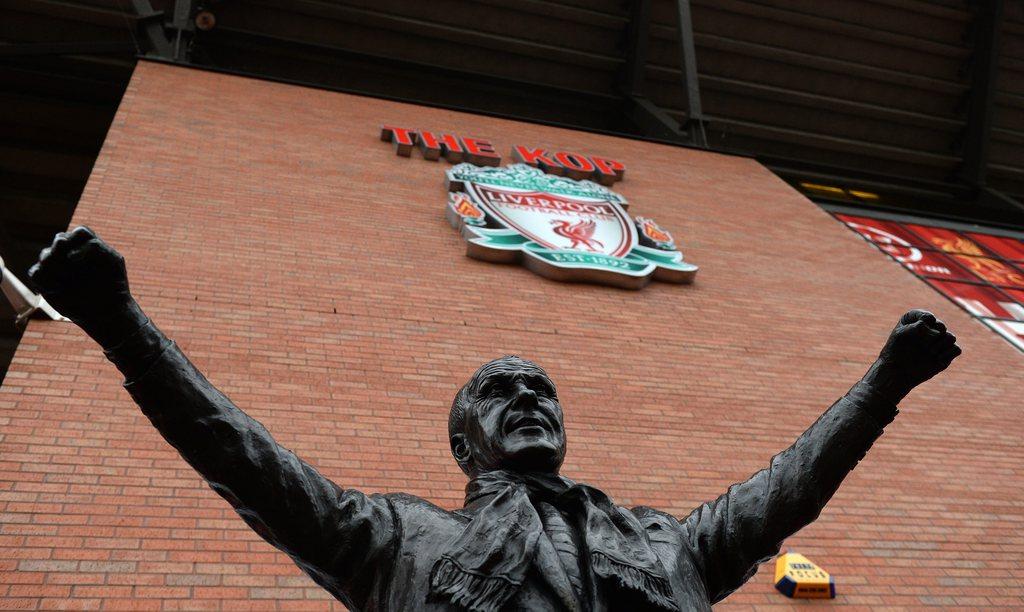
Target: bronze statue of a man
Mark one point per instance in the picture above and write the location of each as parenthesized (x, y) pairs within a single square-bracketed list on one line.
[(527, 538)]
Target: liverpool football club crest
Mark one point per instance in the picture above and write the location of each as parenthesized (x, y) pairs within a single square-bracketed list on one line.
[(560, 228)]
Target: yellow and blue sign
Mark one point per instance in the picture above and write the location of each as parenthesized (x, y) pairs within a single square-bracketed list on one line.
[(797, 577)]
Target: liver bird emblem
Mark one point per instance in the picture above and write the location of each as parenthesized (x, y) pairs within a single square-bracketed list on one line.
[(580, 233)]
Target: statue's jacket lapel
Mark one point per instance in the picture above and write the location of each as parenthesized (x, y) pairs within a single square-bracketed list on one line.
[(549, 569)]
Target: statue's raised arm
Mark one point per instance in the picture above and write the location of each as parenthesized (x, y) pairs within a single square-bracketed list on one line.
[(745, 526), (339, 537)]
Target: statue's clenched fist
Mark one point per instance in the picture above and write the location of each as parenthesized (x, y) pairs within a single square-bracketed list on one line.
[(86, 281), (918, 348)]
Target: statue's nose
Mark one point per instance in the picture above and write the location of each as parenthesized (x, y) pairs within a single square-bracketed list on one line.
[(525, 395)]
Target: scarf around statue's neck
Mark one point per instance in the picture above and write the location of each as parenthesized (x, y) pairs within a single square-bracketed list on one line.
[(487, 564)]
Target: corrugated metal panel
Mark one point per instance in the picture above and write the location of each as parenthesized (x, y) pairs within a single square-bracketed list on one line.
[(876, 87), (1006, 153), (480, 38)]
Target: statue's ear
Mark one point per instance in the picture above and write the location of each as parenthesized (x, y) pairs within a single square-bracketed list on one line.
[(460, 449)]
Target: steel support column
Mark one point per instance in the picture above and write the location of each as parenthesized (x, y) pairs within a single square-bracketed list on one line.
[(688, 65), (153, 27), (181, 25), (997, 199), (639, 110), (984, 64), (652, 119), (632, 80)]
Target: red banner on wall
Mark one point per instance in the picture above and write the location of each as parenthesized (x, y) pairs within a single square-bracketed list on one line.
[(1007, 248), (882, 232), (946, 240), (980, 300), (1018, 297), (962, 266), (935, 265), (1012, 331), (992, 270)]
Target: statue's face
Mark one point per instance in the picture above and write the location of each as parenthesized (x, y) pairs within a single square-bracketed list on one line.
[(514, 421)]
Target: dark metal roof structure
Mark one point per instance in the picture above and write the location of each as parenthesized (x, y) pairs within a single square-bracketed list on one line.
[(906, 105)]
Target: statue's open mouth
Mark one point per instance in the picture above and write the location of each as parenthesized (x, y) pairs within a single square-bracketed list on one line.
[(524, 422)]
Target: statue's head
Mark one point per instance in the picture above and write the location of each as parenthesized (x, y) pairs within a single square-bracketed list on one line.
[(507, 417)]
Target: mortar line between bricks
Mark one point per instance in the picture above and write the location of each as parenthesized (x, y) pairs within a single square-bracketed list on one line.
[(590, 334)]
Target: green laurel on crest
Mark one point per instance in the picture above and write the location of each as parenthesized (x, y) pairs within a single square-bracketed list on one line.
[(522, 176)]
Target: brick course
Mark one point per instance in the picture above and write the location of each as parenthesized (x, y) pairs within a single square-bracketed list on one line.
[(310, 273)]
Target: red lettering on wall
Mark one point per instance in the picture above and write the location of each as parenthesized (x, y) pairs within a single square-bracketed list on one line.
[(480, 152), (608, 170), (434, 146), (402, 138), (576, 166), (536, 157)]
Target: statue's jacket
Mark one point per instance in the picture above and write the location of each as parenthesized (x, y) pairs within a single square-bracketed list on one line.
[(376, 552)]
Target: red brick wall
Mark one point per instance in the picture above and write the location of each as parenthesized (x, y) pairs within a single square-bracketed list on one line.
[(311, 274)]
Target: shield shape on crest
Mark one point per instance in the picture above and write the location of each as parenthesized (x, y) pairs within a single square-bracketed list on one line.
[(558, 227), (559, 221)]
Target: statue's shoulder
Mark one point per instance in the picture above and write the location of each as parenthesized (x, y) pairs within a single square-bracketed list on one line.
[(646, 511), (654, 519), (410, 506), (423, 527)]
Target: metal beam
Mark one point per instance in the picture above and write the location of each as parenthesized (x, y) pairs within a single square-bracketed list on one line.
[(639, 110), (652, 119), (69, 11), (823, 63), (467, 35), (984, 66), (798, 170), (182, 26), (997, 199), (691, 87), (97, 47), (912, 36), (631, 79), (410, 81), (153, 27)]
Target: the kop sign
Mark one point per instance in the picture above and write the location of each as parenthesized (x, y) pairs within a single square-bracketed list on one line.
[(550, 211)]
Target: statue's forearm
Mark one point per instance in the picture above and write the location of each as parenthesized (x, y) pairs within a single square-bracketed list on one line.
[(808, 473), (132, 342), (278, 494), (114, 324), (747, 524), (338, 536), (887, 381), (192, 415)]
